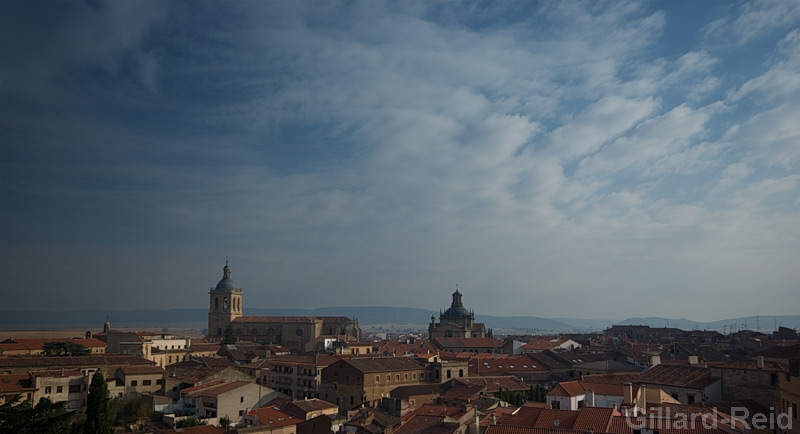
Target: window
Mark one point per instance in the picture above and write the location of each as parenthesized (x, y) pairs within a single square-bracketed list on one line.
[(414, 376), (59, 389), (241, 412), (147, 382), (389, 378), (377, 378), (690, 398), (405, 376), (352, 399), (397, 377), (159, 381), (241, 399), (134, 383), (48, 390), (773, 379), (448, 373)]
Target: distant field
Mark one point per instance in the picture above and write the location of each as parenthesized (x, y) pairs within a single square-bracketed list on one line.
[(48, 334)]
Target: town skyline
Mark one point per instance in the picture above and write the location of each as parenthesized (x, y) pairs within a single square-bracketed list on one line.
[(553, 159)]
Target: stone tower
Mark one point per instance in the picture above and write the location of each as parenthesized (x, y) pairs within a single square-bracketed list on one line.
[(225, 303)]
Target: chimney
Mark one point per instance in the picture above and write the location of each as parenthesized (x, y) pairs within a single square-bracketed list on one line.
[(760, 362), (627, 393), (655, 360), (693, 360)]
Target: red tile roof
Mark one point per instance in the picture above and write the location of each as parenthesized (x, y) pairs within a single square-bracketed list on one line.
[(274, 417), (15, 383), (203, 429), (468, 343), (689, 377), (495, 383), (215, 390), (507, 365)]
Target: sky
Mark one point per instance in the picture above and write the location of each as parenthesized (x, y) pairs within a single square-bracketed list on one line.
[(552, 158)]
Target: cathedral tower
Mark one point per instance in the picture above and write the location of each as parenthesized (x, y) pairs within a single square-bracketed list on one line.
[(225, 303)]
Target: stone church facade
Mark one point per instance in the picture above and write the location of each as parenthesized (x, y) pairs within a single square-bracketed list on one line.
[(297, 333), (456, 322)]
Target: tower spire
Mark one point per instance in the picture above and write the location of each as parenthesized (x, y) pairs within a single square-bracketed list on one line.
[(226, 271)]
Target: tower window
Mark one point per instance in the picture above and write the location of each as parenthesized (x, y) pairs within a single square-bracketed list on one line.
[(216, 303)]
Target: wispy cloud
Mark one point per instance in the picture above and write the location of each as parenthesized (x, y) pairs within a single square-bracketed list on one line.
[(373, 153)]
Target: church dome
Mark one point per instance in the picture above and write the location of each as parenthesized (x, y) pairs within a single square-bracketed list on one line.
[(457, 309), (456, 312), (226, 282)]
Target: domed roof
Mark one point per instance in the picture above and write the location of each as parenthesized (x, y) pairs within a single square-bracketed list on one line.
[(456, 312), (226, 282), (457, 309)]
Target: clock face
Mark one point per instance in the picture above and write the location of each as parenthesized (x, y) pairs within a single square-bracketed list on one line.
[(299, 332)]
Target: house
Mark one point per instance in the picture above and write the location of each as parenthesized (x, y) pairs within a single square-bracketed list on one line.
[(790, 394), (133, 381), (574, 395), (472, 345), (758, 380), (229, 399), (31, 347), (552, 344), (69, 386), (351, 383), (440, 419), (196, 372), (687, 384), (296, 375), (106, 363)]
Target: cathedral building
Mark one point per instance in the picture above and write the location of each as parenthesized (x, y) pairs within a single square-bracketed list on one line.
[(297, 333), (456, 322)]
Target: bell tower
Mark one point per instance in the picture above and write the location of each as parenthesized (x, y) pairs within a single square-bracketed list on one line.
[(225, 303)]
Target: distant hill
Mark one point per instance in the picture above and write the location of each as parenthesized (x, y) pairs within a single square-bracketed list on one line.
[(766, 323), (366, 315)]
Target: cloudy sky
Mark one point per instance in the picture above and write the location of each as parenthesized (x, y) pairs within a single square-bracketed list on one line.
[(592, 159)]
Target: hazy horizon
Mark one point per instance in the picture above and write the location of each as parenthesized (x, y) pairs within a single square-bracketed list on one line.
[(553, 159)]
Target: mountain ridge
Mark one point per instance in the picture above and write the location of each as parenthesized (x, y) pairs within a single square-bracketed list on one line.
[(372, 315)]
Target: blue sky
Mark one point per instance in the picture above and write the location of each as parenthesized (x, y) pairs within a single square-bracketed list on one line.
[(584, 159)]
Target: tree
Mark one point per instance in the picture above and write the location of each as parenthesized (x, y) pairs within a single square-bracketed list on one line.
[(229, 337), (187, 423), (225, 422), (99, 417), (65, 349), (45, 418), (489, 333)]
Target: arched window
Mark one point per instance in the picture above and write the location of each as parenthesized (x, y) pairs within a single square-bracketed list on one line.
[(225, 303), (216, 303)]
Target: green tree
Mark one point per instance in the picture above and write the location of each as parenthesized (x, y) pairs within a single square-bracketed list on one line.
[(99, 417), (489, 333), (229, 336), (45, 418), (65, 349), (225, 422), (187, 423)]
